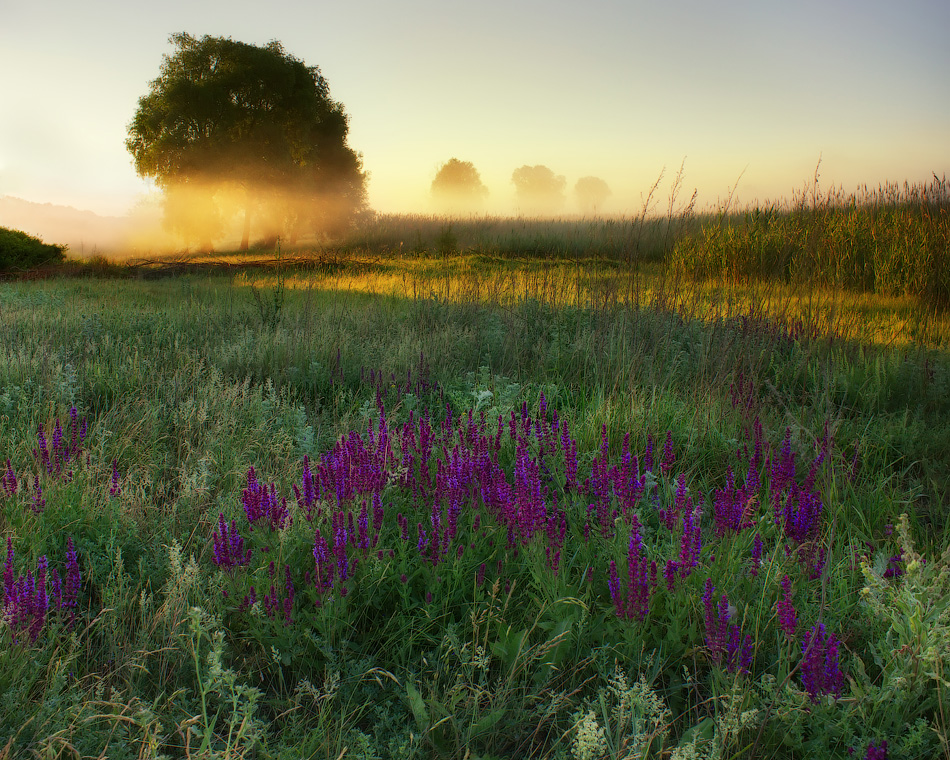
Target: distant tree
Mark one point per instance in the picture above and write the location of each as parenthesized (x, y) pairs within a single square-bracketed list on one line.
[(458, 186), (539, 189), (591, 192), (21, 251), (225, 117)]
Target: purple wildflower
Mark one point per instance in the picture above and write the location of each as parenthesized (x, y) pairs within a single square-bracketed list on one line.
[(669, 458), (876, 751), (787, 619), (41, 451), (229, 545), (9, 480), (691, 542), (340, 538), (670, 573), (37, 500), (895, 566), (288, 595), (26, 601), (726, 645), (114, 488), (783, 467), (820, 669), (73, 577), (633, 602), (261, 504)]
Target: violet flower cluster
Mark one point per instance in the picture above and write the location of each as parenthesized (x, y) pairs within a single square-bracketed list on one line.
[(514, 480), (632, 601), (724, 639), (787, 619), (115, 481), (64, 447), (229, 545), (820, 670), (28, 600), (9, 482), (262, 505)]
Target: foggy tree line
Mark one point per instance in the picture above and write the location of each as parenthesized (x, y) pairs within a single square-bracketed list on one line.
[(237, 135), (457, 187)]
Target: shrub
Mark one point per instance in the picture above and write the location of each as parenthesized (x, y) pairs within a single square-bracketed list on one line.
[(21, 251)]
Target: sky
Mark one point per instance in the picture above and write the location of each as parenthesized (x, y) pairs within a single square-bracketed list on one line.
[(754, 92)]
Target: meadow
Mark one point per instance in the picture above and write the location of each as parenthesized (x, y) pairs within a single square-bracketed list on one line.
[(665, 487)]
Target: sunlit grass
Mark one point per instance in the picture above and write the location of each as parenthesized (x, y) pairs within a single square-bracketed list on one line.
[(853, 315)]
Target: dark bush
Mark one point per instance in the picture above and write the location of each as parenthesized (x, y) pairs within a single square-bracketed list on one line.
[(21, 251)]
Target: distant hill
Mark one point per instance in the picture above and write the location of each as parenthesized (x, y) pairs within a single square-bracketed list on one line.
[(85, 232)]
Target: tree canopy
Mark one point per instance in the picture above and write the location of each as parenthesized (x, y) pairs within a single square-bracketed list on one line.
[(539, 190), (227, 124), (458, 186), (591, 192)]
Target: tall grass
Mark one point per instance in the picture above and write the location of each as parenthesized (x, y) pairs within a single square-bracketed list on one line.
[(619, 239), (892, 240)]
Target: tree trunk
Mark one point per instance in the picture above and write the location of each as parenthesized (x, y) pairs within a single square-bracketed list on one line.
[(294, 229), (246, 237)]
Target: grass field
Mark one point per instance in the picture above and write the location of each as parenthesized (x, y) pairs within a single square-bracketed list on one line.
[(460, 500)]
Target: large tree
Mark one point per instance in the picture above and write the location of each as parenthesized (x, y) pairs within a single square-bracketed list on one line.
[(539, 189), (591, 192), (458, 187), (229, 119)]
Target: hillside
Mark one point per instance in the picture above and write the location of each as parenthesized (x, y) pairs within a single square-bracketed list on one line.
[(84, 232)]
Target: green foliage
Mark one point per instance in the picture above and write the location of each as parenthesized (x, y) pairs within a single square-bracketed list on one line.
[(19, 251), (186, 388), (229, 115)]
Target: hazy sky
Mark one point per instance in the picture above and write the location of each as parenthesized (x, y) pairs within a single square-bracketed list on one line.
[(614, 89)]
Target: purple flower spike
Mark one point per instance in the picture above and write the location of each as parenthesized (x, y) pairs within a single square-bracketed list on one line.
[(669, 458), (691, 542), (820, 670), (876, 751), (73, 577), (9, 480), (756, 555), (37, 501), (229, 546), (726, 645), (26, 600), (633, 602), (114, 488), (41, 451), (787, 619), (783, 468)]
